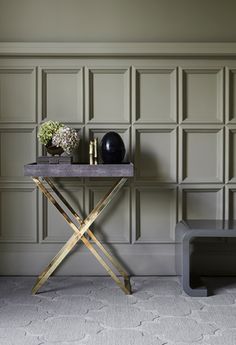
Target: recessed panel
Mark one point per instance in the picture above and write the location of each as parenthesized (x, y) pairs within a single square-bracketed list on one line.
[(113, 225), (231, 162), (202, 159), (62, 98), (155, 215), (155, 154), (231, 204), (231, 95), (55, 229), (202, 95), (109, 95), (202, 204), (156, 95), (18, 215), (100, 132), (17, 147), (17, 95)]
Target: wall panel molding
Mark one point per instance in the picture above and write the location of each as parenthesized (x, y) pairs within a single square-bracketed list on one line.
[(114, 224), (207, 49), (18, 84), (61, 93), (155, 95), (108, 91), (98, 131), (201, 202), (181, 138), (201, 95), (155, 153), (53, 228), (18, 214), (18, 146), (155, 214), (230, 99), (201, 154)]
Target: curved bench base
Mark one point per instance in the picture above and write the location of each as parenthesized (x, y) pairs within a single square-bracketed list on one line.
[(186, 231)]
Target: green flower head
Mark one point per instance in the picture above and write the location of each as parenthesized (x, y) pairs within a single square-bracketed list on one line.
[(47, 130)]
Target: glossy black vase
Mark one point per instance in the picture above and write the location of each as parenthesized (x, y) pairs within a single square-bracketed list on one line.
[(112, 148)]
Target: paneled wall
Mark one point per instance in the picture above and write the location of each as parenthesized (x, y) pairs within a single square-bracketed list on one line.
[(177, 117)]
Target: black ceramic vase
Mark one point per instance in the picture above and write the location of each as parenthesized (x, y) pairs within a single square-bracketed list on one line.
[(112, 148)]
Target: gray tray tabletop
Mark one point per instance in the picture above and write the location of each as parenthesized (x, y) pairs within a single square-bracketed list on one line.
[(79, 170)]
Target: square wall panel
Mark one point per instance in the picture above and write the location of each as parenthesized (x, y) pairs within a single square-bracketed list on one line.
[(18, 215), (201, 155), (230, 203), (231, 95), (100, 132), (155, 214), (155, 154), (55, 229), (17, 95), (201, 95), (201, 203), (156, 95), (17, 147), (230, 155), (62, 95), (109, 95), (114, 224)]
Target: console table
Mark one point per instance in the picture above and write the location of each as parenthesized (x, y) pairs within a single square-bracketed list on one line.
[(186, 231), (42, 173)]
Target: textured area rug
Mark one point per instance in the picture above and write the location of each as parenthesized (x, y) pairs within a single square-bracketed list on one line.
[(94, 311)]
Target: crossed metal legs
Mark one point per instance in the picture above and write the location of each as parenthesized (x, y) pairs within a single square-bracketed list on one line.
[(78, 235)]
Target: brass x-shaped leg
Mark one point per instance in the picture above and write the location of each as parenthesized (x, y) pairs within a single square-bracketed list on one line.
[(79, 232)]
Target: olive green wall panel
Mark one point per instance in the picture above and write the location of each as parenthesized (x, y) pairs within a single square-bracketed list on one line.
[(18, 215), (231, 95), (62, 94), (202, 202), (18, 84), (114, 224), (155, 154), (201, 95), (17, 147), (230, 205), (177, 118), (53, 226), (155, 214), (108, 91), (123, 130), (230, 154), (156, 95), (201, 150)]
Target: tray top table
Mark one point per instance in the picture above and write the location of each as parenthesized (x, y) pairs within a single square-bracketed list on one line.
[(42, 173)]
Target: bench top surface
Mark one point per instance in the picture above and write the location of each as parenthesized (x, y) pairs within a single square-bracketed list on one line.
[(209, 224), (185, 230), (79, 170)]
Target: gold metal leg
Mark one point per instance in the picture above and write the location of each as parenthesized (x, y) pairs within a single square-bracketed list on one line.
[(79, 232), (113, 260)]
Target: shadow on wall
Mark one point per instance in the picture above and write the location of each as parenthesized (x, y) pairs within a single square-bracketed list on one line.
[(148, 166)]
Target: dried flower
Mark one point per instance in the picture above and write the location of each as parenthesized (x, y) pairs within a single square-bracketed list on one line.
[(67, 138), (47, 130)]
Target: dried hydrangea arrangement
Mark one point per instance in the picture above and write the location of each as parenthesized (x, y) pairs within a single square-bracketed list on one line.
[(53, 133), (47, 130), (67, 138)]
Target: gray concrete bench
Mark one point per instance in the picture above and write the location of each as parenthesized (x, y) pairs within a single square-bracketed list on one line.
[(186, 232)]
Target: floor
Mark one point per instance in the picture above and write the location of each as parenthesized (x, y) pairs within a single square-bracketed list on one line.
[(93, 311)]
